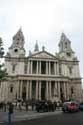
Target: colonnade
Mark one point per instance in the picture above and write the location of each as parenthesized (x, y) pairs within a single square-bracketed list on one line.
[(50, 91), (38, 67)]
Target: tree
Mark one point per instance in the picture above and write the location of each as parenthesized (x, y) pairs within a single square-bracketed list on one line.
[(1, 48), (3, 73)]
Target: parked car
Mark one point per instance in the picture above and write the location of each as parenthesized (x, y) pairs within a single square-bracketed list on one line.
[(41, 106), (70, 107), (81, 106), (45, 106)]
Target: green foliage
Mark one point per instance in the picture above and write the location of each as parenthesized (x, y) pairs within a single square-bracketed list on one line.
[(3, 73), (1, 48)]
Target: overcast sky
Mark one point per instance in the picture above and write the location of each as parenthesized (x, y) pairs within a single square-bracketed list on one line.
[(43, 20)]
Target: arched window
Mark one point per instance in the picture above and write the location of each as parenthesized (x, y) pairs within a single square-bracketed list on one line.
[(11, 88), (72, 91), (66, 45), (13, 68)]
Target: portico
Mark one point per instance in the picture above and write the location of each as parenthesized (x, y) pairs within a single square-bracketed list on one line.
[(41, 90)]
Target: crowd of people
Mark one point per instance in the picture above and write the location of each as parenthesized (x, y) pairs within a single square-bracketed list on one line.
[(28, 105)]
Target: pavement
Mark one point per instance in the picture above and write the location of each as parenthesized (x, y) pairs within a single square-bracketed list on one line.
[(25, 115)]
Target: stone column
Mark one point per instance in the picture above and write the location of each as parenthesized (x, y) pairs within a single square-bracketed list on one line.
[(17, 90), (37, 68), (6, 91), (57, 68), (2, 90), (46, 90), (31, 66), (40, 68), (49, 69), (67, 90), (39, 90), (58, 84), (28, 67), (55, 89), (54, 68), (30, 89), (21, 84), (27, 90), (50, 93), (64, 84), (36, 89)]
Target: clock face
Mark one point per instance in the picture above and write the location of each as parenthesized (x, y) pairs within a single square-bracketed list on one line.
[(16, 50)]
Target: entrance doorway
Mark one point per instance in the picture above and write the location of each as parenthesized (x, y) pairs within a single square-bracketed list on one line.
[(24, 96), (43, 88), (24, 92)]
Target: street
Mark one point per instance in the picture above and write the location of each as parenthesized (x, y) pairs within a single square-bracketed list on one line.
[(59, 119), (52, 119)]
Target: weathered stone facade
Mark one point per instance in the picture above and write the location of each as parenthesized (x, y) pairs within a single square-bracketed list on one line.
[(41, 75)]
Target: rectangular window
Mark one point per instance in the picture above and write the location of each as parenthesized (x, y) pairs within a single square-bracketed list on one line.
[(11, 89), (70, 70), (25, 68), (13, 68), (60, 69)]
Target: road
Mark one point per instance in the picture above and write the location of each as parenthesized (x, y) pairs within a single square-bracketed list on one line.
[(58, 119), (23, 115), (54, 119)]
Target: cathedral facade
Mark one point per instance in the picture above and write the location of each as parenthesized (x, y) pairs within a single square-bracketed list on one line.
[(41, 75)]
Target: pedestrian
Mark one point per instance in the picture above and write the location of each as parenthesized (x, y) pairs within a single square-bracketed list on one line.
[(26, 104), (20, 106), (55, 105), (58, 105), (5, 105), (11, 107)]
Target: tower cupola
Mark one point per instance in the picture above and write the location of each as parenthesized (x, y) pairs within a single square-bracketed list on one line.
[(64, 44), (36, 47), (17, 47)]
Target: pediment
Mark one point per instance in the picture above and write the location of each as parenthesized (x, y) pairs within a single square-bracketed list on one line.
[(43, 54)]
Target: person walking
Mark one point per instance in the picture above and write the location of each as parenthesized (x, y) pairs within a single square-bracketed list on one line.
[(26, 105), (10, 108), (20, 106), (55, 105)]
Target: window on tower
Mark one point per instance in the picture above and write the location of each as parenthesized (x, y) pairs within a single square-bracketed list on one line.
[(25, 68), (13, 68), (70, 70), (66, 45), (72, 91), (11, 88), (68, 54)]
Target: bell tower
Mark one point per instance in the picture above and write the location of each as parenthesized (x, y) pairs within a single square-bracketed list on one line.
[(65, 50), (17, 47), (64, 44)]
